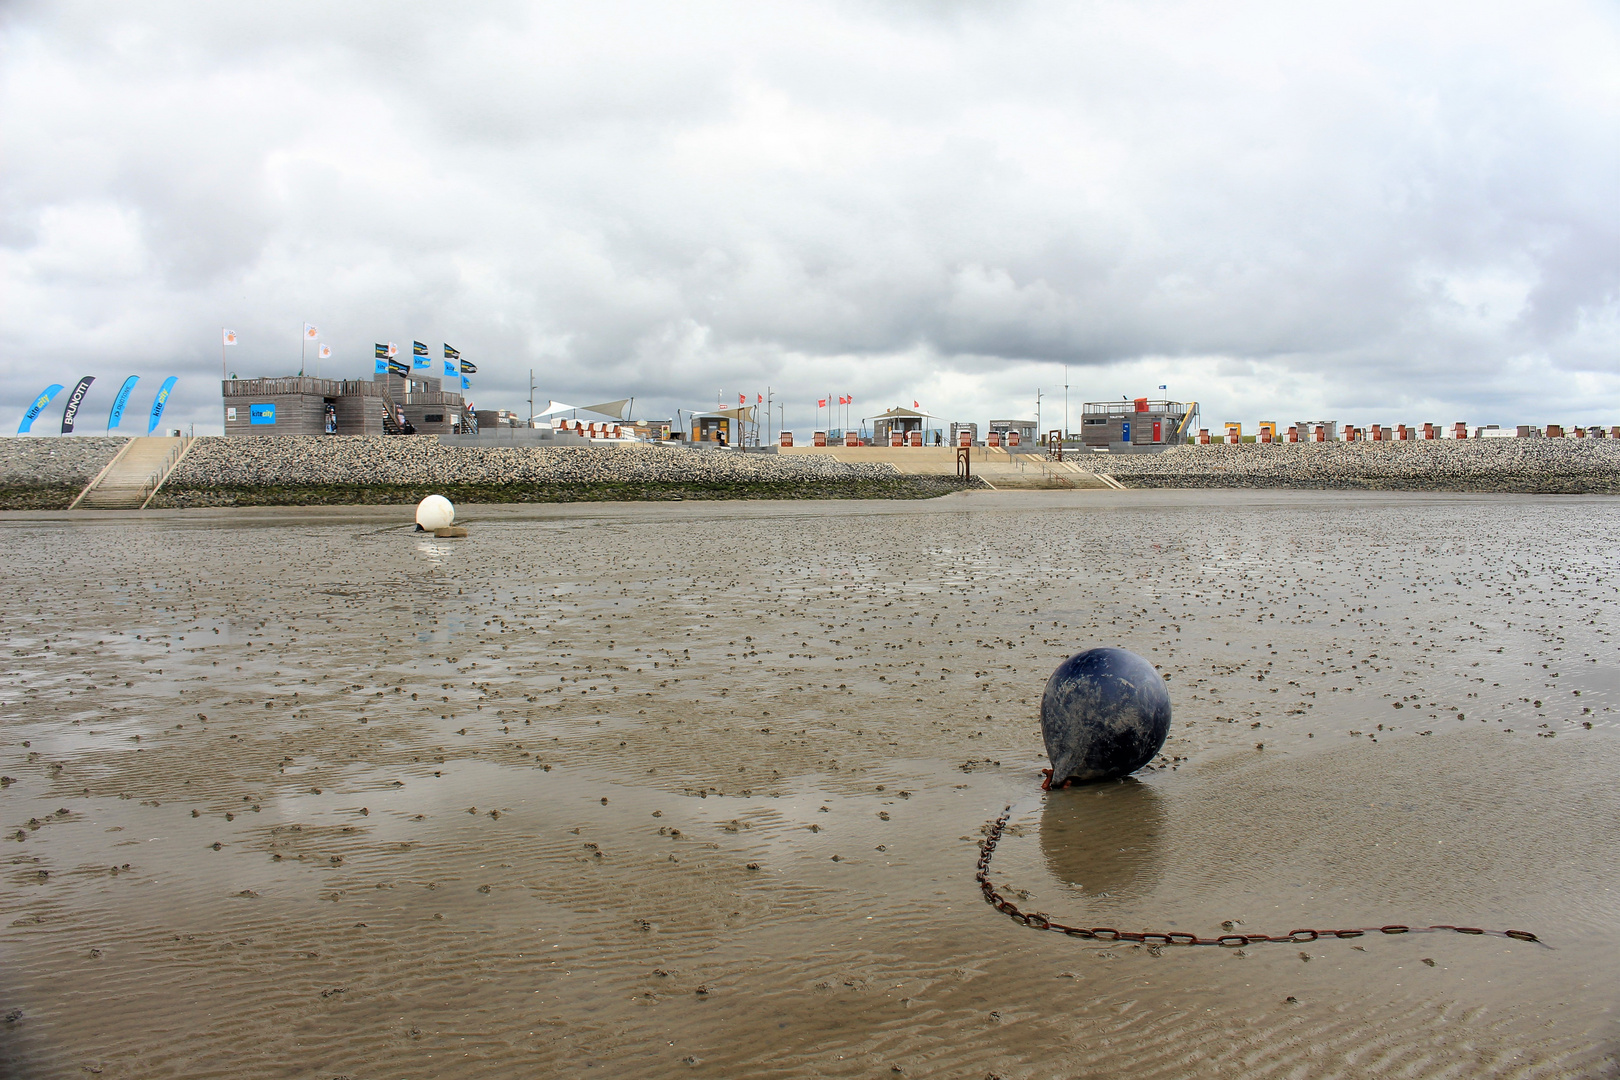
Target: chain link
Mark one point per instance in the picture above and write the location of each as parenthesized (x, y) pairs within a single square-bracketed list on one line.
[(1041, 921)]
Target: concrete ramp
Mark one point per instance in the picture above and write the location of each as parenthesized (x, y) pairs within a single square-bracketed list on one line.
[(1027, 472), (131, 479), (995, 465)]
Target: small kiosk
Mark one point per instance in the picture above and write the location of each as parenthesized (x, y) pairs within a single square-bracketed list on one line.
[(730, 427)]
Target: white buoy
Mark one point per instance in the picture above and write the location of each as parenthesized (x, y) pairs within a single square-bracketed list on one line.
[(435, 512)]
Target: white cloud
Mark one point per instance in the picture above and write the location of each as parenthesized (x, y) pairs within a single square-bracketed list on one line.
[(1276, 209)]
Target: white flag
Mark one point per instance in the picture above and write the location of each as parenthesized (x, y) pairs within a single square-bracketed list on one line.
[(230, 337), (326, 352), (393, 350), (310, 332)]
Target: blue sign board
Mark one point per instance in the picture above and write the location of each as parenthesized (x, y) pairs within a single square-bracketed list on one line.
[(262, 414), (1125, 431)]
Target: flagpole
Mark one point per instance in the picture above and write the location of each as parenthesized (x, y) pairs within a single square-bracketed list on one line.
[(300, 352)]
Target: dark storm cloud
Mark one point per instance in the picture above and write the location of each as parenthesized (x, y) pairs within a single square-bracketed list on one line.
[(1402, 213)]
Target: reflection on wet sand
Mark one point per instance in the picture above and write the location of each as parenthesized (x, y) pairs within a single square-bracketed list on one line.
[(1105, 840)]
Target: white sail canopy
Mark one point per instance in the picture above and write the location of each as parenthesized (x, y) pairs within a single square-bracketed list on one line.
[(619, 410)]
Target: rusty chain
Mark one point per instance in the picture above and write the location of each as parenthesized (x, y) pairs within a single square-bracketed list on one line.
[(1042, 921)]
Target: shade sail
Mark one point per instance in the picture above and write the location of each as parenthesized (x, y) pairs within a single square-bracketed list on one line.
[(619, 410), (743, 414)]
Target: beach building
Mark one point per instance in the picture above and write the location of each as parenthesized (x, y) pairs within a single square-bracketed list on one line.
[(387, 404), (905, 423), (490, 419), (733, 424), (1119, 425), (1028, 432)]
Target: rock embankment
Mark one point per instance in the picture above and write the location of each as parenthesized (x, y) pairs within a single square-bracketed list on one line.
[(45, 472), (307, 470), (1546, 466)]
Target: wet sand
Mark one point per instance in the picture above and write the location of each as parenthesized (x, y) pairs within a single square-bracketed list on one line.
[(651, 790)]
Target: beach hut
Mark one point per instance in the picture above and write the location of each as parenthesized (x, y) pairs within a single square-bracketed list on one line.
[(898, 421)]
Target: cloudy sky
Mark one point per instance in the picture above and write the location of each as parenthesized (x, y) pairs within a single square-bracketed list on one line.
[(1381, 213)]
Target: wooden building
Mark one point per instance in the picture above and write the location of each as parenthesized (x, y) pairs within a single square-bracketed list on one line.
[(386, 405), (1141, 422)]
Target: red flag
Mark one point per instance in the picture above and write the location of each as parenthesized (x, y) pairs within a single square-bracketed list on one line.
[(759, 399), (821, 403), (916, 405), (742, 399)]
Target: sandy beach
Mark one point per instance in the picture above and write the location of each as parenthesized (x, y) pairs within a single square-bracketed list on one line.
[(649, 789)]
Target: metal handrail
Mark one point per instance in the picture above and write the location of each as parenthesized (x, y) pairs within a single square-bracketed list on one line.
[(155, 480)]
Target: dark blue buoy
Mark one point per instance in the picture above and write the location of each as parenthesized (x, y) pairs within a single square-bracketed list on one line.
[(1105, 713)]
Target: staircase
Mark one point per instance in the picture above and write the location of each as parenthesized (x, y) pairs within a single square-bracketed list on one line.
[(134, 476), (391, 425)]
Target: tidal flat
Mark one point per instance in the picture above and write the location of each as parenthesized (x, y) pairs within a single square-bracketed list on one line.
[(651, 789)]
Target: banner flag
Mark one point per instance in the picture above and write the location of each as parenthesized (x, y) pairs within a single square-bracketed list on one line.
[(38, 407), (310, 332), (75, 399), (466, 383), (393, 350), (326, 352), (117, 414), (419, 356), (230, 337), (821, 403), (449, 368), (451, 354), (158, 402), (469, 368), (398, 367)]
